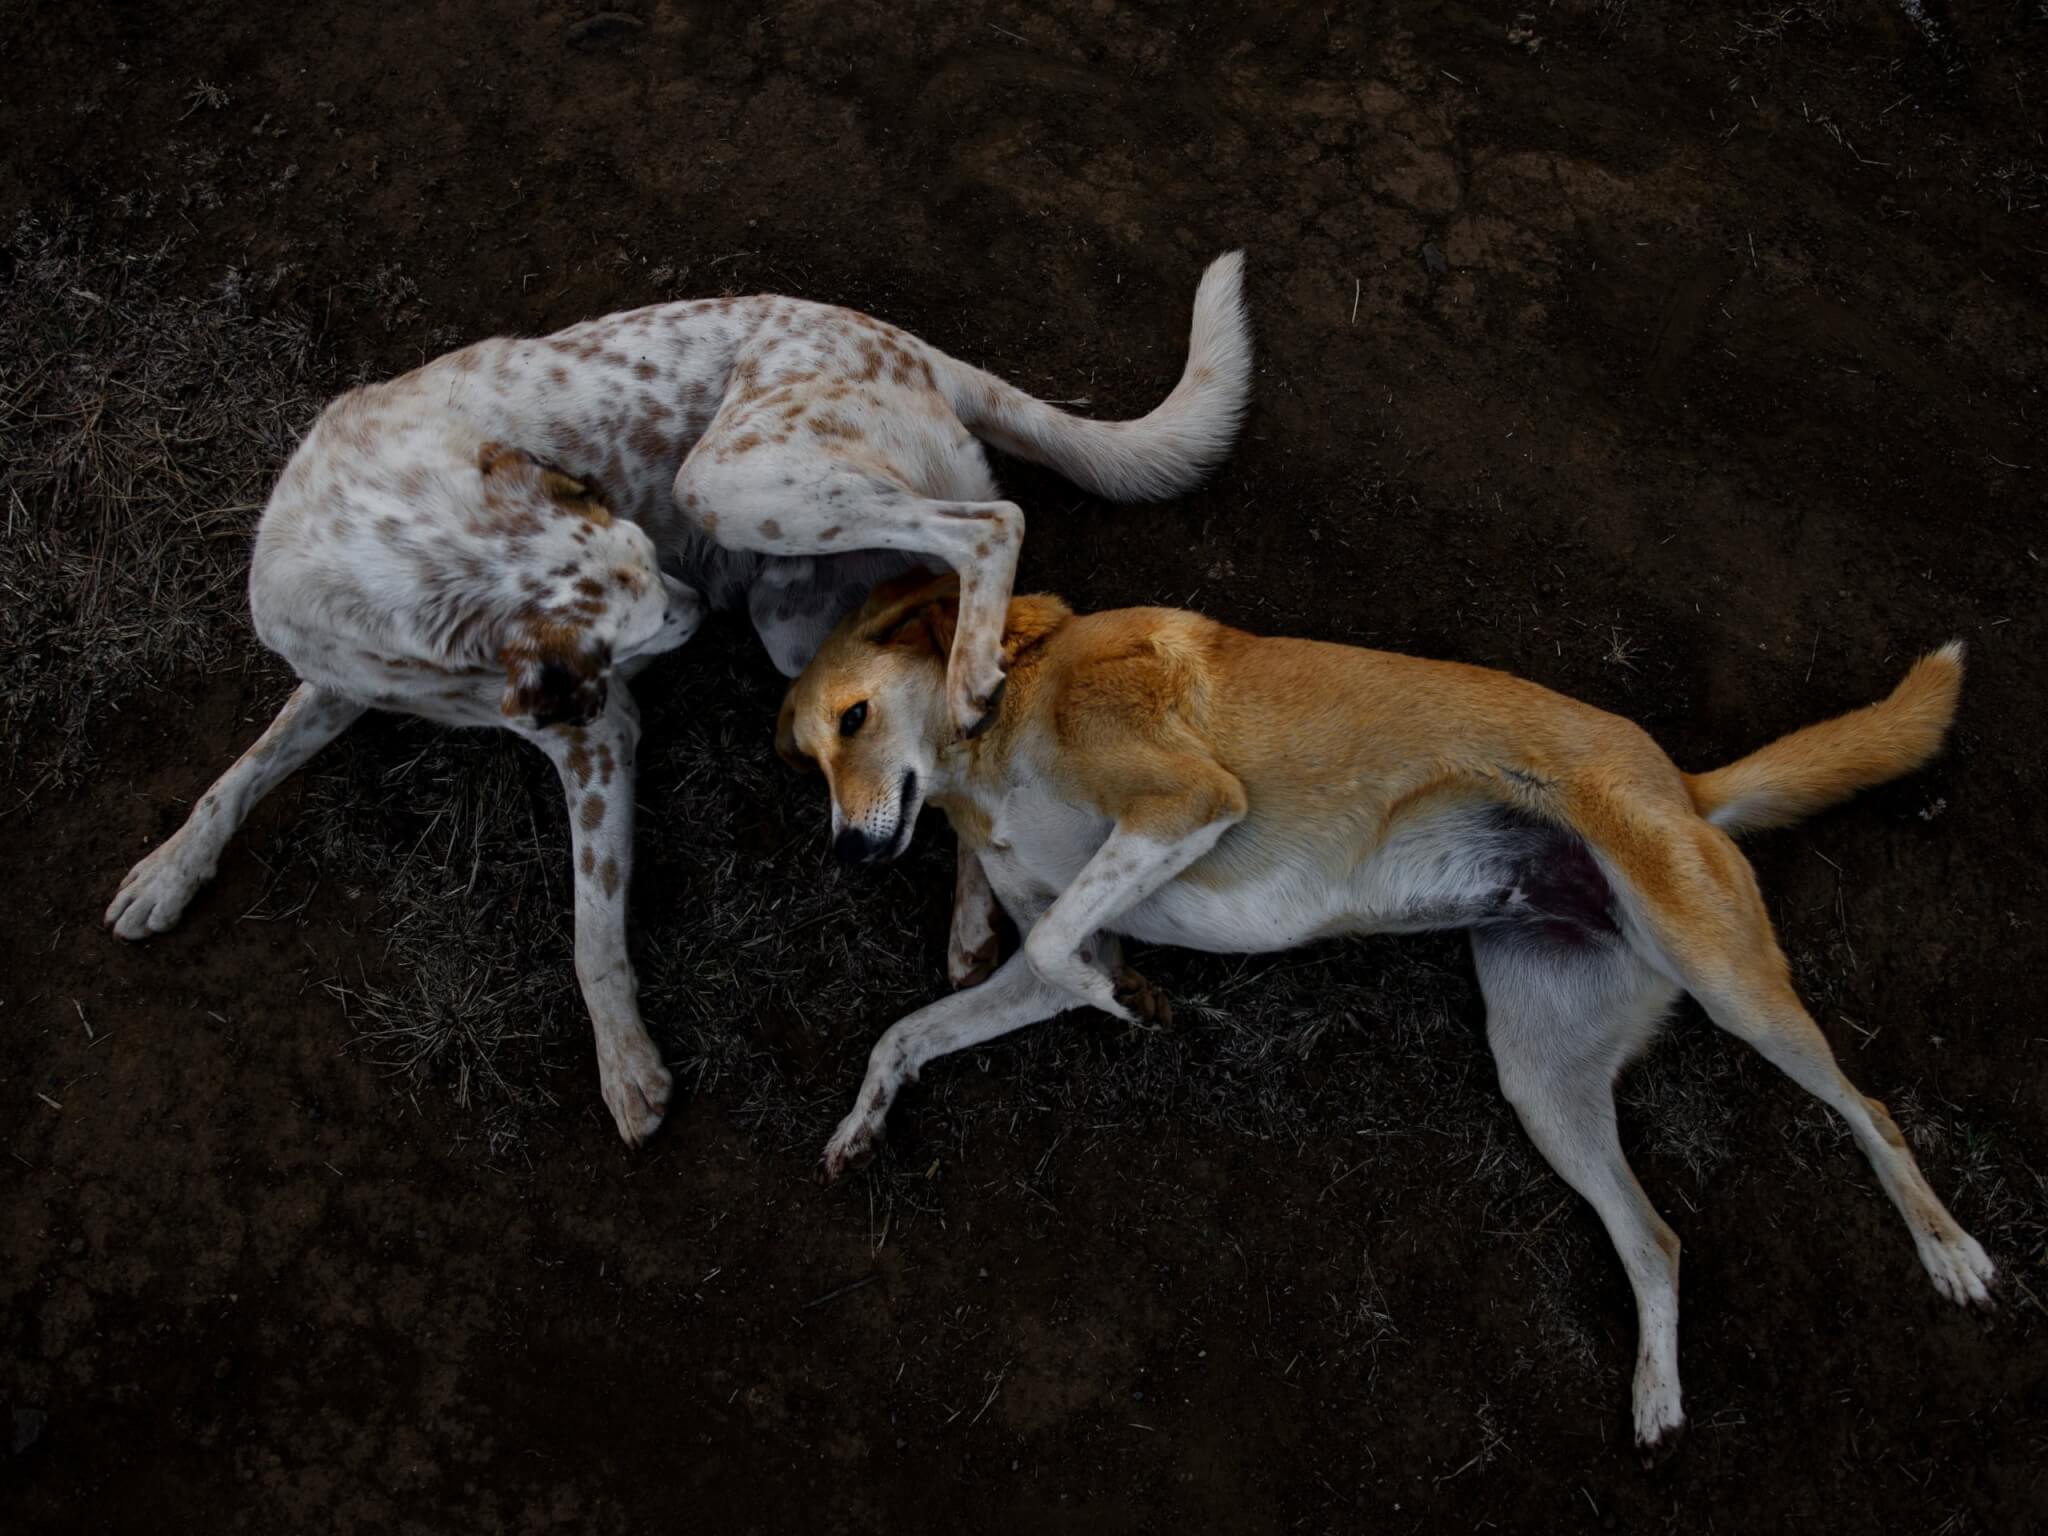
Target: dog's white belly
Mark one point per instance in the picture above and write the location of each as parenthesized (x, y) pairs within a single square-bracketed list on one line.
[(1269, 890), (1280, 911)]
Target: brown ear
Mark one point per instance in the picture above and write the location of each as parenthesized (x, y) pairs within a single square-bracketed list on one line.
[(554, 675), (496, 458), (583, 497), (897, 598), (785, 735)]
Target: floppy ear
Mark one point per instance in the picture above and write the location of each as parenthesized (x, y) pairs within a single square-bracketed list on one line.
[(785, 735), (584, 497), (897, 598), (555, 675), (920, 613)]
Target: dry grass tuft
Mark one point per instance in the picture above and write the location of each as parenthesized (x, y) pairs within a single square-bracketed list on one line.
[(139, 432)]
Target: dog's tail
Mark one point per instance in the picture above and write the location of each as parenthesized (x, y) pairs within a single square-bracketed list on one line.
[(1156, 456), (1814, 768)]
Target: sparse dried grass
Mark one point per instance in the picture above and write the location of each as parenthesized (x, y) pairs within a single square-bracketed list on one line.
[(139, 432)]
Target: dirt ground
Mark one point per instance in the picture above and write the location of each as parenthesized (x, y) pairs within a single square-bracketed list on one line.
[(1689, 360)]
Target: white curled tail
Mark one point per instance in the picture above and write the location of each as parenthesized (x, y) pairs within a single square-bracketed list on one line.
[(1158, 455)]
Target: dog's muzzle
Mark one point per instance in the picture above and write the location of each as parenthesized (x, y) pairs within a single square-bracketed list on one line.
[(855, 846)]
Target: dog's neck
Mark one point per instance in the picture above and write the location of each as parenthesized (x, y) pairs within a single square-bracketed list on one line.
[(1030, 636)]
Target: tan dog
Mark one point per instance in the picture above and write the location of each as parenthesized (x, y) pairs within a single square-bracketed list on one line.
[(1154, 774)]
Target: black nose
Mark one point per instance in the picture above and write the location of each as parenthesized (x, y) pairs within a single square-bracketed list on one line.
[(853, 847)]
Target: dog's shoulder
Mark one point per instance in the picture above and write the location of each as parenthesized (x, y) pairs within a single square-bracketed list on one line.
[(1127, 669)]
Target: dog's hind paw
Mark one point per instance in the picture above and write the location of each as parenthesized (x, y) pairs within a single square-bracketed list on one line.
[(1660, 1425), (1961, 1270)]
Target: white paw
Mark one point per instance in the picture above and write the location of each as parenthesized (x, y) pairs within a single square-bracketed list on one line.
[(156, 892), (636, 1087), (1961, 1270), (1660, 1416), (850, 1147)]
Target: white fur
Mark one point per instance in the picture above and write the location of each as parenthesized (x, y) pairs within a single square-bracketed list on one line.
[(412, 536)]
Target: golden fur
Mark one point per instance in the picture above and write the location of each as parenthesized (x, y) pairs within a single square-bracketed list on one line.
[(1157, 775)]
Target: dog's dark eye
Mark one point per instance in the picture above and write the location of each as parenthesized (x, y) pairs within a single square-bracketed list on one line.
[(854, 718)]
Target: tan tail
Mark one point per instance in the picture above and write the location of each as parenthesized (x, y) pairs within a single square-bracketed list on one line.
[(1814, 768)]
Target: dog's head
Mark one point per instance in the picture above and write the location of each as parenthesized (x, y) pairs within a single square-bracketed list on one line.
[(593, 595), (870, 713)]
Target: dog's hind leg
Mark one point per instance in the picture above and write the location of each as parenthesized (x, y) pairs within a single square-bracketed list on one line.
[(1695, 898), (971, 942), (596, 764), (157, 890), (787, 508), (1563, 1021)]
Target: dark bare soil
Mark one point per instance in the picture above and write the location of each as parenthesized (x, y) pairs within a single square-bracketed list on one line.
[(1685, 358)]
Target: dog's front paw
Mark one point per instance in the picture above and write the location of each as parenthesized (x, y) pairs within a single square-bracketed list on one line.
[(636, 1087), (156, 892), (851, 1146)]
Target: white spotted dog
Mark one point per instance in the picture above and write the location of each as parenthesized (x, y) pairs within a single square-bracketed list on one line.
[(1155, 775), (507, 534)]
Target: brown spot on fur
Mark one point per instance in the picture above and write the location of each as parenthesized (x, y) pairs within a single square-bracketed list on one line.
[(746, 442), (709, 522), (605, 763), (579, 762), (589, 860), (831, 424), (644, 369), (611, 877), (591, 812), (590, 587), (829, 534), (770, 529), (650, 442)]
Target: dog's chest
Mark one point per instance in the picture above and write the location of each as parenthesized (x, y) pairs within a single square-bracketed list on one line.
[(1035, 844)]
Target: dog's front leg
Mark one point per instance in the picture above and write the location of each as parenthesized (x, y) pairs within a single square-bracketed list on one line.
[(1154, 839), (1009, 1000), (156, 891), (971, 945), (596, 762)]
